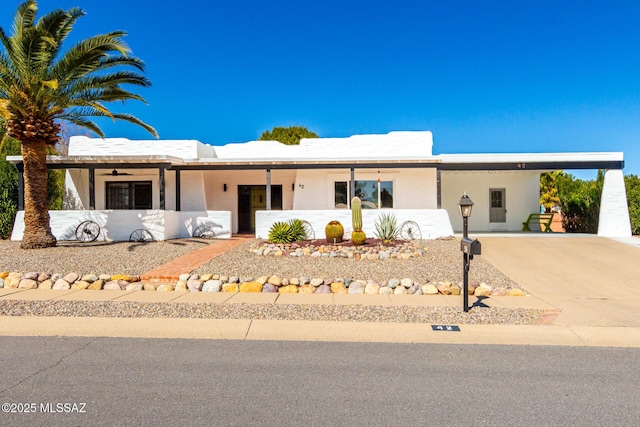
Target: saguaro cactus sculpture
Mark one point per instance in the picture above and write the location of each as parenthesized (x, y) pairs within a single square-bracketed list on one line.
[(357, 236)]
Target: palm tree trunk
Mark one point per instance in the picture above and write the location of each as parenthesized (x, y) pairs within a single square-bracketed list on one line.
[(37, 231)]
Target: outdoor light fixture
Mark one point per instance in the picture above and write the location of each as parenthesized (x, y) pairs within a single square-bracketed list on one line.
[(114, 172), (224, 187), (468, 247), (465, 205)]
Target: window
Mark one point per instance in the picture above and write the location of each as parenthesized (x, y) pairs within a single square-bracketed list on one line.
[(374, 194), (129, 195)]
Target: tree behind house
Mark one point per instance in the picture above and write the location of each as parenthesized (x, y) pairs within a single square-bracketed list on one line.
[(287, 135)]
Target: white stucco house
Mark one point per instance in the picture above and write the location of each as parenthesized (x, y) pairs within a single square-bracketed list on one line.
[(171, 187)]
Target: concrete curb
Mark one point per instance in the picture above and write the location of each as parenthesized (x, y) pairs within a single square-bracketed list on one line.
[(245, 329)]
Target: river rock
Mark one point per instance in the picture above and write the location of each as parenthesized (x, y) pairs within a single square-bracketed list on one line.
[(338, 288), (28, 284), (323, 289), (482, 292), (400, 290), (32, 275), (306, 289), (372, 289), (206, 276), (71, 277), (97, 285), (429, 289), (275, 280), (357, 287), (149, 287), (392, 283), (194, 285), (133, 287), (230, 287), (212, 286), (61, 284), (289, 289), (181, 286), (46, 284), (80, 285), (90, 278), (251, 287), (406, 282), (165, 287), (184, 277), (317, 282), (111, 285), (268, 287), (516, 292)]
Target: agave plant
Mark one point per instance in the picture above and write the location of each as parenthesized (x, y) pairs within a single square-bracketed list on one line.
[(281, 232), (298, 230), (387, 227)]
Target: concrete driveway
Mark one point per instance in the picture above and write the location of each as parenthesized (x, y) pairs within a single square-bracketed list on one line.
[(595, 281)]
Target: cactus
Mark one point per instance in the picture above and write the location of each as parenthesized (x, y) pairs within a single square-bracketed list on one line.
[(356, 214), (357, 236), (334, 232)]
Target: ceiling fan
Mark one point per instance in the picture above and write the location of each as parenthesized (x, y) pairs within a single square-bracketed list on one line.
[(115, 173)]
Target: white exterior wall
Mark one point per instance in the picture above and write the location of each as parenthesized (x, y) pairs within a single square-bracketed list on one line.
[(614, 220), (522, 197), (218, 199), (186, 149), (433, 223), (412, 188), (117, 225)]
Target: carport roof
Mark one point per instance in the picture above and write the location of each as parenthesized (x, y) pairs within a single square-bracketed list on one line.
[(494, 161)]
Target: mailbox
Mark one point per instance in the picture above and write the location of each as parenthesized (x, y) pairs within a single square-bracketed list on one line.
[(470, 246)]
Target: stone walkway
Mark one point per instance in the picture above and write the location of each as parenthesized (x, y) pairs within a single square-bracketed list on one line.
[(189, 262)]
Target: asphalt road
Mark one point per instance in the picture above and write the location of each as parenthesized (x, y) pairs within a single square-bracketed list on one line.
[(112, 381)]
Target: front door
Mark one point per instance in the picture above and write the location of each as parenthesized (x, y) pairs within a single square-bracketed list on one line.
[(498, 206), (252, 198)]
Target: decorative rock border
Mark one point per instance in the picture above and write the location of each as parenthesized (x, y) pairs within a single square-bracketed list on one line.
[(221, 283), (316, 249)]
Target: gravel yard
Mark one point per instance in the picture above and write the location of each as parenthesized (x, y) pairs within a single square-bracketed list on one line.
[(441, 261), (96, 257)]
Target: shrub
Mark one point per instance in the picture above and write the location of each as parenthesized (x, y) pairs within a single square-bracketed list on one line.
[(287, 232), (298, 230), (632, 183), (387, 227)]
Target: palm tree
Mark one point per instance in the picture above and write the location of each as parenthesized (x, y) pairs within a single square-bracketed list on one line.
[(40, 86)]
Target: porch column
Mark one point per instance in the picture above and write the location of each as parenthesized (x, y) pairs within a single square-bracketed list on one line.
[(439, 189), (352, 189), (92, 188), (177, 189), (161, 185), (614, 211), (268, 189), (20, 169)]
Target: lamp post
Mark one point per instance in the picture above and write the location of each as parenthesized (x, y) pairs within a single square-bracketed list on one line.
[(467, 246)]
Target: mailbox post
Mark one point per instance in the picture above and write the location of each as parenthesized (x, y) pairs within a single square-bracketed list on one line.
[(469, 247)]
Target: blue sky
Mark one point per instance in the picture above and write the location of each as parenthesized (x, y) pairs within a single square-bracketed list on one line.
[(490, 76)]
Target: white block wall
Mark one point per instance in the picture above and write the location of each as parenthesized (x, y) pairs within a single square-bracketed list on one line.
[(117, 225), (433, 223), (614, 211)]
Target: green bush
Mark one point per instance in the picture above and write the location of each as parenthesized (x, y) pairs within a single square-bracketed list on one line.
[(632, 183), (580, 202)]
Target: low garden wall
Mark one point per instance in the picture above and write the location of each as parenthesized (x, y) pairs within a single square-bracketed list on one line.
[(117, 225), (433, 223)]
